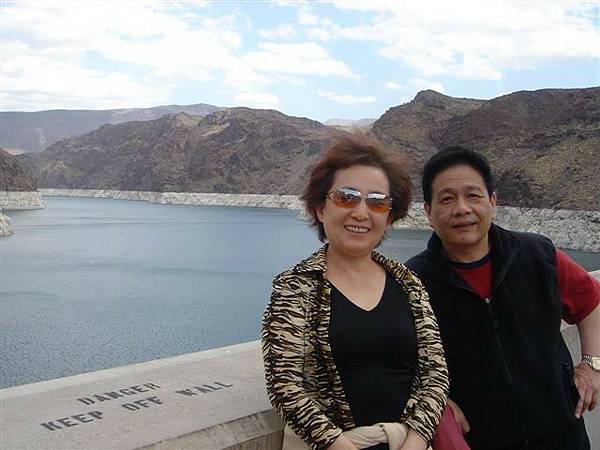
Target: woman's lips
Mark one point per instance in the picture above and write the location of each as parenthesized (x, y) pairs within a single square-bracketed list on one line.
[(356, 228)]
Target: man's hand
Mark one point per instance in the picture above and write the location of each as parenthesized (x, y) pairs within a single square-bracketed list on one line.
[(459, 416), (587, 382)]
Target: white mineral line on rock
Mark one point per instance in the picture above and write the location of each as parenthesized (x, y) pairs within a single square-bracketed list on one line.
[(578, 230)]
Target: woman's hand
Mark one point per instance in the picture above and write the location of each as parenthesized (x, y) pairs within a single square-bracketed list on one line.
[(413, 441), (459, 416), (342, 443)]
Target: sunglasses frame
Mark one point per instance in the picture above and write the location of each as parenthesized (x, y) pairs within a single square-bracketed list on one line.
[(373, 200)]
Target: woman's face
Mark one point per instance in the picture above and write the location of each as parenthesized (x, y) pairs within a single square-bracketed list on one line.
[(355, 231)]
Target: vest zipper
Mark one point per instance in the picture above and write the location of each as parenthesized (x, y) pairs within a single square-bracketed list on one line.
[(496, 327)]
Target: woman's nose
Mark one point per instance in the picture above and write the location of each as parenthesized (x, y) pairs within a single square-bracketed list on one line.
[(361, 211)]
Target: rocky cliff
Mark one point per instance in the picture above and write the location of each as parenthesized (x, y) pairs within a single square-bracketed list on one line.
[(544, 146), (12, 175), (35, 131), (238, 150), (415, 127)]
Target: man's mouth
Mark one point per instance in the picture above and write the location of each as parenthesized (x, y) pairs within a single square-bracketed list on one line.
[(463, 225), (356, 229)]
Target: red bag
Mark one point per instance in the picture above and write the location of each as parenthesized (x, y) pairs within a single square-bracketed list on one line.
[(448, 435)]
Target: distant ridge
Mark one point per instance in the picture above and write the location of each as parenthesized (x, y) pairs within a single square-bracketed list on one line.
[(35, 131), (544, 147), (236, 150)]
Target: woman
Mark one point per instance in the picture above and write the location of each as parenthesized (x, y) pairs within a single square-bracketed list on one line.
[(351, 348)]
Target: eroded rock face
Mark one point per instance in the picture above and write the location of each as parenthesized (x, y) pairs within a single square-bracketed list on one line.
[(544, 146), (13, 176), (6, 228), (238, 150)]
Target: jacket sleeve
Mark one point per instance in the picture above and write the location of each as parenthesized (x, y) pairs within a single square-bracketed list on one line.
[(283, 345), (432, 372)]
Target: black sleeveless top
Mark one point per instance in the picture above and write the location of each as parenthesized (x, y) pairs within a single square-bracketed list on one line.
[(375, 353)]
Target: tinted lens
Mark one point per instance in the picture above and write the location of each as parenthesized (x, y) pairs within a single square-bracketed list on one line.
[(379, 203), (345, 198), (349, 198)]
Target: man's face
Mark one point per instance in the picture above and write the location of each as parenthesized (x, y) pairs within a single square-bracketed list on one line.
[(461, 212)]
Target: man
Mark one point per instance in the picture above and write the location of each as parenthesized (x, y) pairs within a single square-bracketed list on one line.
[(499, 297)]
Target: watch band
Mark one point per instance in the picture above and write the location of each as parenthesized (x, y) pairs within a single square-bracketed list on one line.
[(592, 361)]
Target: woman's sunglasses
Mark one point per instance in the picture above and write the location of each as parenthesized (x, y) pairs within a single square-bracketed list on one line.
[(349, 198)]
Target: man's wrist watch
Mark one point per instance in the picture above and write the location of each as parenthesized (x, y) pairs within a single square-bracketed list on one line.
[(592, 361)]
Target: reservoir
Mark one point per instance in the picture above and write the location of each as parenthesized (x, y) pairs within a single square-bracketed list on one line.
[(89, 284)]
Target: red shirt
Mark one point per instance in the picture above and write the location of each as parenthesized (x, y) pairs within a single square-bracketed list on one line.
[(579, 291)]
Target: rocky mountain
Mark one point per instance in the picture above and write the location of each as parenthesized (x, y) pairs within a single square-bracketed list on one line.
[(415, 127), (237, 150), (544, 146), (35, 131), (12, 176)]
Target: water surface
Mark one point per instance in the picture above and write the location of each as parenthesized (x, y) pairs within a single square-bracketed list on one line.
[(89, 284)]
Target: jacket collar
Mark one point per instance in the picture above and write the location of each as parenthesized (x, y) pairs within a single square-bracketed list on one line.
[(317, 262), (504, 245)]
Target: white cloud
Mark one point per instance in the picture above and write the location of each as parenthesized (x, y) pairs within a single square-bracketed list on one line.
[(346, 99), (415, 85), (408, 90), (32, 83), (262, 100), (148, 46), (105, 54), (283, 31), (298, 59), (418, 84), (307, 18), (474, 39)]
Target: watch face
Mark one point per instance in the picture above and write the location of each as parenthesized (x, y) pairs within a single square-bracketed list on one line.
[(596, 363)]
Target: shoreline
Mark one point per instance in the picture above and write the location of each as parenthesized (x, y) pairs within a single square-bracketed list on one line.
[(572, 229)]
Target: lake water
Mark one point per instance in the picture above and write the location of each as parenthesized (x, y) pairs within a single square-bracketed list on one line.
[(89, 284)]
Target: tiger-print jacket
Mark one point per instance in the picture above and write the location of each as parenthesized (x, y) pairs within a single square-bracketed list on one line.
[(301, 378)]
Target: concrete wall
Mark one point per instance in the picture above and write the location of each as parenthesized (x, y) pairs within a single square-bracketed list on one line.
[(208, 400)]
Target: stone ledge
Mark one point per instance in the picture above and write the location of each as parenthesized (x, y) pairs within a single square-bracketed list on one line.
[(10, 200), (215, 399), (210, 400)]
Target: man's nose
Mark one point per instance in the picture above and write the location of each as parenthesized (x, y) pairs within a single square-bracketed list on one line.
[(461, 206)]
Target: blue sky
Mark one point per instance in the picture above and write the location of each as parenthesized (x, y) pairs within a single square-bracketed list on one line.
[(323, 60)]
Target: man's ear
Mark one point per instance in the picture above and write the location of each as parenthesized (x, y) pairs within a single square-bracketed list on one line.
[(493, 200), (427, 208)]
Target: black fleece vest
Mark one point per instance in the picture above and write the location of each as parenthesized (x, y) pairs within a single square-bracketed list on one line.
[(510, 369)]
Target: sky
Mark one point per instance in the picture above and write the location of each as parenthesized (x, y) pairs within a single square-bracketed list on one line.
[(317, 59)]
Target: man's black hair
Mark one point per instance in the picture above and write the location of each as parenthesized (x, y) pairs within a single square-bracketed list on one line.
[(451, 157)]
